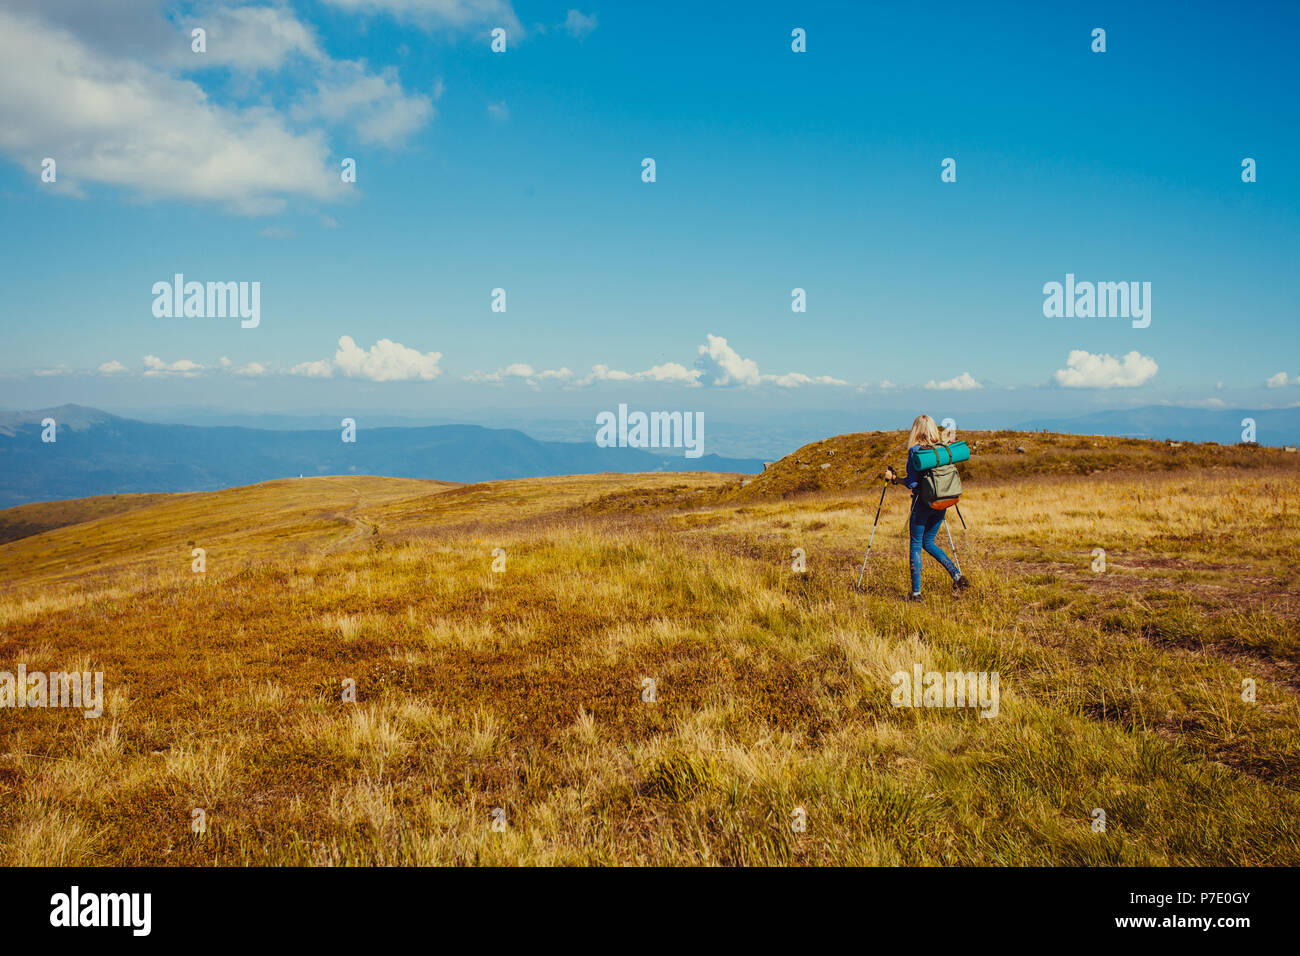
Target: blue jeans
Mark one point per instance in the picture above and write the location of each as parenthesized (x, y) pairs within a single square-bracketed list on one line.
[(923, 524)]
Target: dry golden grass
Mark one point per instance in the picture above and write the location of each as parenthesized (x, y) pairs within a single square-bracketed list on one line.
[(522, 689), (32, 519)]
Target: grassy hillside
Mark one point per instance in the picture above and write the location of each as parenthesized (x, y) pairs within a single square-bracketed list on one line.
[(24, 520), (522, 689), (854, 462)]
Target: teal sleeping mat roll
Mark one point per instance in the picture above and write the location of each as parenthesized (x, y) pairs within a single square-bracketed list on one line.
[(923, 459)]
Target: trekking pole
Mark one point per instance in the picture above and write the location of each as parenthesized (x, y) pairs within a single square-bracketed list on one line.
[(873, 533), (959, 515), (953, 546)]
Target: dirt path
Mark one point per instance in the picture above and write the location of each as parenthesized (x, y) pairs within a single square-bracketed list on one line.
[(360, 530)]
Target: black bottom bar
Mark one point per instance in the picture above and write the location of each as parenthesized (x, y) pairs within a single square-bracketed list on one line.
[(916, 906)]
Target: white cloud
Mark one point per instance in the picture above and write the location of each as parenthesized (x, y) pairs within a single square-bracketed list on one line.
[(1085, 370), (718, 365), (964, 382), (886, 384), (113, 367), (522, 371), (795, 379), (374, 104), (723, 364), (102, 91), (320, 369), (57, 370), (249, 39), (579, 24), (430, 14), (1278, 380), (499, 111), (668, 372), (153, 366), (114, 121), (385, 361)]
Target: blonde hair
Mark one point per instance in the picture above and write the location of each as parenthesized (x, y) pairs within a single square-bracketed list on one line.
[(924, 432)]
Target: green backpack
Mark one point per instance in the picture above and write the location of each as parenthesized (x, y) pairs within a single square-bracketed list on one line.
[(940, 486)]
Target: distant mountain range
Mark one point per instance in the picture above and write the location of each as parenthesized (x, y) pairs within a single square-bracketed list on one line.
[(1273, 426), (98, 453), (779, 433)]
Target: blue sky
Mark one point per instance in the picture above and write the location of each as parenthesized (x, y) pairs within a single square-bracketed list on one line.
[(775, 170)]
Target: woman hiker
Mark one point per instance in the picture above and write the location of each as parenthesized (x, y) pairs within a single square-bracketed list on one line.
[(923, 523)]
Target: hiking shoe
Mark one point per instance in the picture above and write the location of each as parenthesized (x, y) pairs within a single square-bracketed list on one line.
[(914, 597), (961, 583)]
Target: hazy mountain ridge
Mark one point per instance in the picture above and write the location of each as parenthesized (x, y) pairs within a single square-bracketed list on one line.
[(1273, 426), (98, 453)]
